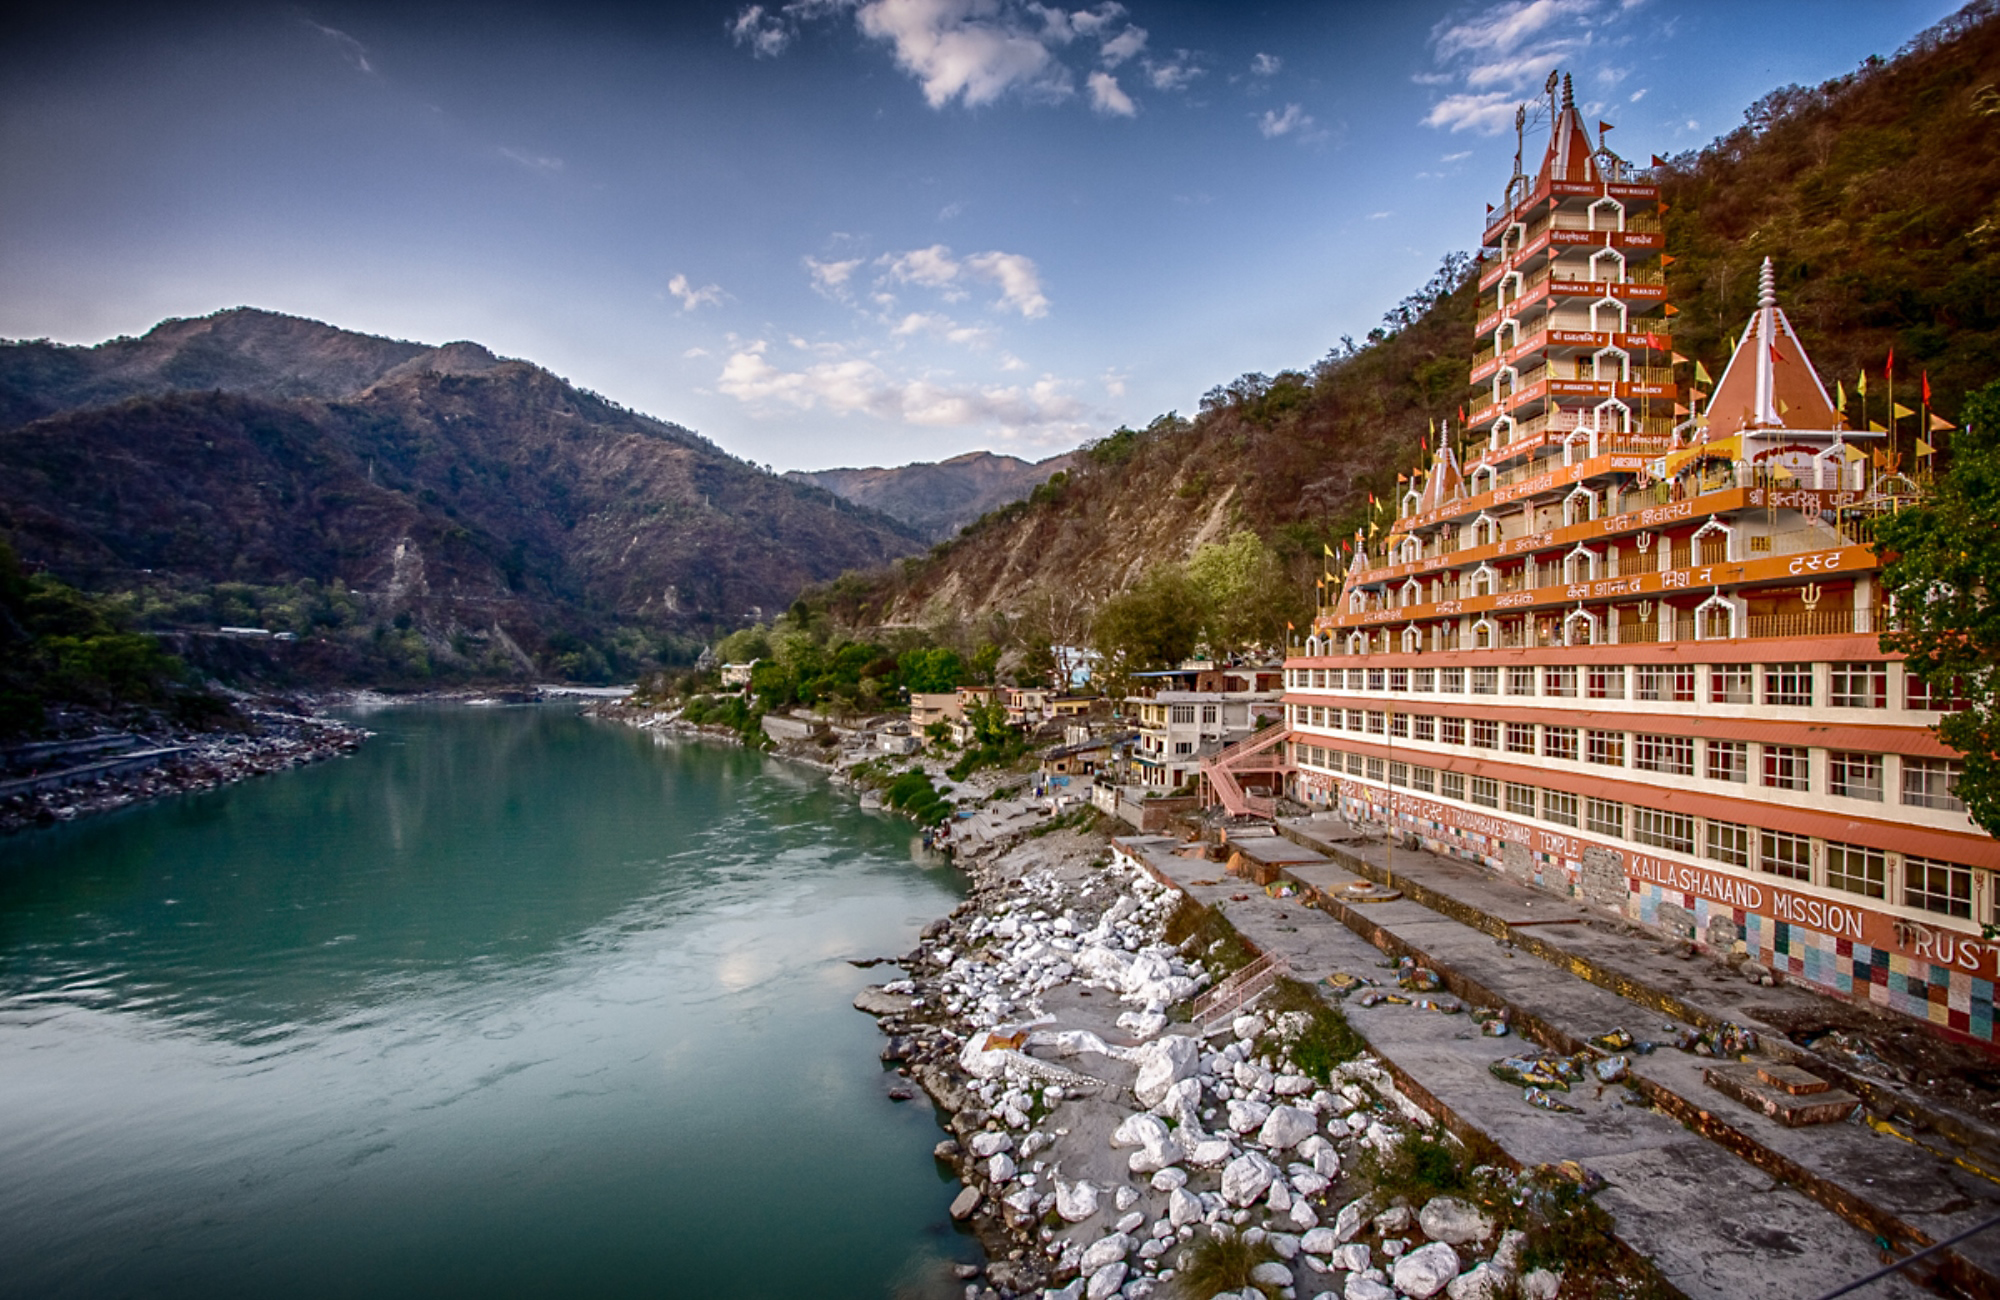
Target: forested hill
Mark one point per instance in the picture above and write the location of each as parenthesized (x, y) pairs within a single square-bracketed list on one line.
[(1876, 194), (440, 510)]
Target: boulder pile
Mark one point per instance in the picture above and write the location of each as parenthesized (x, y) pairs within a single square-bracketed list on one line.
[(1102, 1140)]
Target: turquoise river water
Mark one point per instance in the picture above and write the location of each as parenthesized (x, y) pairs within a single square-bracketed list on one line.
[(509, 1003)]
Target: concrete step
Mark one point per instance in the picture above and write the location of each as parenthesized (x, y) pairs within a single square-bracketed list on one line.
[(1687, 1190)]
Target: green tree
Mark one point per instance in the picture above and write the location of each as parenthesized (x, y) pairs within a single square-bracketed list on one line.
[(1943, 573), (1244, 592), (1152, 625), (931, 671)]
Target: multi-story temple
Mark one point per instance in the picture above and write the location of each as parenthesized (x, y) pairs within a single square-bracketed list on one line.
[(1630, 653)]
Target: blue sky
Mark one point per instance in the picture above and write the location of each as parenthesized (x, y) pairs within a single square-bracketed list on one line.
[(830, 232)]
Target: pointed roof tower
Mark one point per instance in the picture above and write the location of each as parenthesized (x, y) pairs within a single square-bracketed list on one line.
[(1445, 482), (1770, 382), (1570, 156)]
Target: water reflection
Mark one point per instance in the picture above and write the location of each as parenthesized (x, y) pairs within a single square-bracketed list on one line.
[(509, 1001)]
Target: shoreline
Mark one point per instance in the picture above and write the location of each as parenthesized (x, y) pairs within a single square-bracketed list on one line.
[(1102, 1143), (282, 734)]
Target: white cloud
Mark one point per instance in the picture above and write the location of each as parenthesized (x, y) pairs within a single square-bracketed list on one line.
[(1017, 276), (706, 296), (951, 211), (830, 278), (1114, 383), (1106, 97), (942, 326), (765, 33), (1266, 65), (1380, 216), (1493, 58), (1174, 74), (1123, 46), (1020, 281), (1274, 124), (350, 49), (1042, 411), (1487, 113), (693, 353), (1638, 94), (968, 50), (1460, 156), (534, 162)]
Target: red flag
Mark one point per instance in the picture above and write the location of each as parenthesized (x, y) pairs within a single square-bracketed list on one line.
[(1659, 161), (1889, 366), (1927, 388), (1603, 126), (1775, 354), (1489, 207), (1461, 415)]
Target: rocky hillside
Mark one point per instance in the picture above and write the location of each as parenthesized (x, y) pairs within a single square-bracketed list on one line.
[(1877, 194), (942, 497), (484, 507)]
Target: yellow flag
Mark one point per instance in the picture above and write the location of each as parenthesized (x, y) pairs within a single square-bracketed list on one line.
[(1939, 424), (1327, 548), (1840, 397), (1900, 411), (1852, 453), (1701, 374), (1923, 448), (1875, 426), (1861, 384)]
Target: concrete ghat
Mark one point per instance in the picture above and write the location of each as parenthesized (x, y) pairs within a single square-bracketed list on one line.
[(1589, 981), (1713, 1224)]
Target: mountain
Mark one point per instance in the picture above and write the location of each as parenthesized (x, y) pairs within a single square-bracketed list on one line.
[(1877, 195), (255, 467), (942, 497)]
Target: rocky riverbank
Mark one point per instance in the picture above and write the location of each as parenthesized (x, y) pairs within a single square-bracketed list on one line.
[(267, 736), (1108, 1148)]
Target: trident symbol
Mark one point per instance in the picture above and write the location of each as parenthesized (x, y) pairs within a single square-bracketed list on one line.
[(1645, 611), (1645, 541), (1809, 595)]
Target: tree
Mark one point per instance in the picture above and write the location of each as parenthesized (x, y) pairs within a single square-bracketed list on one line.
[(1244, 592), (931, 671), (1943, 575), (1153, 625)]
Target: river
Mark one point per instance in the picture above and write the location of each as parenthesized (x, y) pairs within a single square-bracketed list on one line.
[(510, 1002)]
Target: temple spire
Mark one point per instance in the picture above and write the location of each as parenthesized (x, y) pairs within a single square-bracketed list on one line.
[(1770, 382)]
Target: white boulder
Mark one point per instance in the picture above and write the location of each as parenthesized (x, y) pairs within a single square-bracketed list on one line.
[(991, 1144), (1285, 1127), (1182, 1207), (1454, 1222), (1427, 1270), (1539, 1285), (1349, 1220), (1320, 1241), (1247, 1116), (1163, 1063), (1000, 1168), (1104, 1283), (1076, 1201), (1106, 1250), (1168, 1180), (1484, 1282), (1141, 1130), (1365, 1288), (1271, 1273), (1353, 1257), (1245, 1178)]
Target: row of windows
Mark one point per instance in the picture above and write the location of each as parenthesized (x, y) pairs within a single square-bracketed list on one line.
[(1924, 782), (1934, 886), (1792, 685)]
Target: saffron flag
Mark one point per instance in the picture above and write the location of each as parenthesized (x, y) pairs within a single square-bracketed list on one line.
[(1680, 360), (1672, 310), (1679, 409), (1402, 478), (1939, 424), (1666, 259)]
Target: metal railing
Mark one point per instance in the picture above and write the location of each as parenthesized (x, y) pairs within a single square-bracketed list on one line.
[(1229, 998)]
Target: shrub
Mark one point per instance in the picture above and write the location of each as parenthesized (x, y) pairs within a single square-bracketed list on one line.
[(1211, 1265)]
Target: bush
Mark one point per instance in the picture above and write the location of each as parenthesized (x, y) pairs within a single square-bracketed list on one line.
[(1328, 1039), (1211, 1265)]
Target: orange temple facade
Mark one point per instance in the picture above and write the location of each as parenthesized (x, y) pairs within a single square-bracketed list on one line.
[(1630, 654)]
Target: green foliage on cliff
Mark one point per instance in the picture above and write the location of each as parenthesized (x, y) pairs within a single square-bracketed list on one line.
[(61, 647), (1944, 576)]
